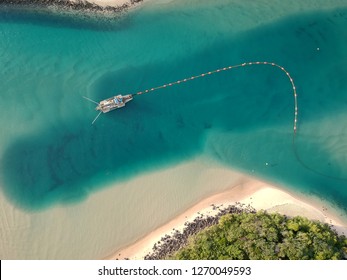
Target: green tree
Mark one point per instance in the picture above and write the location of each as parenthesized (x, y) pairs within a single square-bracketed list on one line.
[(264, 236)]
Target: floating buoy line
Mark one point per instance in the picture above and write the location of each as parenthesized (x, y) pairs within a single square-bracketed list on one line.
[(119, 101), (230, 68)]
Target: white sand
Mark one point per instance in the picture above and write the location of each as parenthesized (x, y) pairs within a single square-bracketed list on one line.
[(123, 213), (108, 2), (105, 3), (111, 218), (255, 193)]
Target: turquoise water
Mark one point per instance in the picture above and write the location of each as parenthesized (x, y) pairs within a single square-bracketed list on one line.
[(51, 154)]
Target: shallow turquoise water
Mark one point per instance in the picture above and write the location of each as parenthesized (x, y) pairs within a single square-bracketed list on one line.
[(52, 154)]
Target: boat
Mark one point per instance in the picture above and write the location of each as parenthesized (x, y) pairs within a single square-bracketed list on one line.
[(113, 103)]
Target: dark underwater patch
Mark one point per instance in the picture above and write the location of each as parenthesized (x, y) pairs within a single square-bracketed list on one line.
[(60, 165)]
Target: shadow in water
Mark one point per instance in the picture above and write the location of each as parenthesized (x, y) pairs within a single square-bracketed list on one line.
[(63, 164)]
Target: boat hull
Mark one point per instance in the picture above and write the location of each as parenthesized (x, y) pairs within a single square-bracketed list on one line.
[(113, 103)]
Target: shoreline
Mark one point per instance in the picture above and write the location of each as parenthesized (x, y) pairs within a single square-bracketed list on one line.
[(111, 215), (93, 6), (256, 194)]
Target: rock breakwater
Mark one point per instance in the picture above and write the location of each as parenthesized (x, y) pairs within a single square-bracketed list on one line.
[(169, 244), (67, 5)]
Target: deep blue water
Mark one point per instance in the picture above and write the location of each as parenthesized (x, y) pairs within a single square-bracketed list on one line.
[(52, 154)]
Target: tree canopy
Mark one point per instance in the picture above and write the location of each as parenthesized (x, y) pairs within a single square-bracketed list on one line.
[(264, 236)]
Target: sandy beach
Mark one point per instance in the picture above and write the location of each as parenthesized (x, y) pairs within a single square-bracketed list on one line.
[(259, 195), (160, 201), (81, 4), (112, 3), (63, 197), (113, 217)]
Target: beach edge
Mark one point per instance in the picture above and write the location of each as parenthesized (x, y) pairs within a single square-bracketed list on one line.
[(254, 193)]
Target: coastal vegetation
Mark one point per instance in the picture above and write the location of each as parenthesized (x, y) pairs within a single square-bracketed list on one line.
[(250, 235), (265, 236)]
